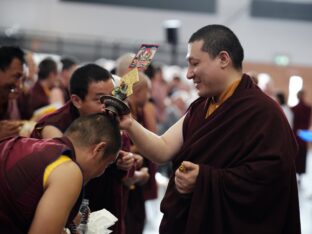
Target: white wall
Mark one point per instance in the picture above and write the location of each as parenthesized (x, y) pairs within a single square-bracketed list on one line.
[(262, 39)]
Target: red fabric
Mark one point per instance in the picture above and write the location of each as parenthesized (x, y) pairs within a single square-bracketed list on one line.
[(60, 119), (106, 191), (302, 116), (37, 98), (247, 181), (22, 165), (150, 188)]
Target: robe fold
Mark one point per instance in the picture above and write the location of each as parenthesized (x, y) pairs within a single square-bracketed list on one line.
[(247, 179)]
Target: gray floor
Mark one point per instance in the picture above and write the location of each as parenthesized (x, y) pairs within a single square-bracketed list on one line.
[(305, 199)]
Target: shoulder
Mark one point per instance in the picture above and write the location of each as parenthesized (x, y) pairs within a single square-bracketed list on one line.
[(65, 173), (260, 108), (59, 119)]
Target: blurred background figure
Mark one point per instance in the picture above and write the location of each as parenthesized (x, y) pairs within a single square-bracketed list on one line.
[(68, 67), (142, 186), (11, 72), (302, 120), (280, 97), (159, 91), (40, 94)]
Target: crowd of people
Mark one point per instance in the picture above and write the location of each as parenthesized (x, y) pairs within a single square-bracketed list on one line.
[(231, 154)]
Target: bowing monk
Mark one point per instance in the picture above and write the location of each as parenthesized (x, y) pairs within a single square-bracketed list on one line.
[(88, 83), (41, 180), (232, 152)]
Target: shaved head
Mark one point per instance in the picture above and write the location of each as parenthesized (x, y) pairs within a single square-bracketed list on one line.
[(122, 64)]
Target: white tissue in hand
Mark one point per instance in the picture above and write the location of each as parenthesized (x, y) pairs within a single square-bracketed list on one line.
[(100, 221)]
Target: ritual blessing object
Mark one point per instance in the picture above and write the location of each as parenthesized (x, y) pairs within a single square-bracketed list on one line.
[(115, 103), (141, 61)]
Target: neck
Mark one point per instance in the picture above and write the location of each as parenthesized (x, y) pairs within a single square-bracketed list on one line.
[(81, 155), (45, 83), (232, 77)]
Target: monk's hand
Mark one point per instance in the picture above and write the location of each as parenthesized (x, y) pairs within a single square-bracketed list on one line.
[(142, 175), (186, 176), (9, 128), (125, 121), (125, 160), (138, 161)]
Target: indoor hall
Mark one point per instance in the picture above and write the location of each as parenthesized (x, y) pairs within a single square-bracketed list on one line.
[(64, 42)]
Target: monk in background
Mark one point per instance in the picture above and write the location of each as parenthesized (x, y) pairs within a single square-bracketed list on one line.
[(11, 72), (142, 185), (301, 120)]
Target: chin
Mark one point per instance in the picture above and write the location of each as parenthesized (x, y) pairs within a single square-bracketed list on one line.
[(202, 94)]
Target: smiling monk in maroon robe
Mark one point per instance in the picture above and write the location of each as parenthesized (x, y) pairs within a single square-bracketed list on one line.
[(232, 153), (244, 169)]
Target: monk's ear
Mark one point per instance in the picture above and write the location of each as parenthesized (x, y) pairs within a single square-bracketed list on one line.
[(224, 58), (77, 102), (99, 149)]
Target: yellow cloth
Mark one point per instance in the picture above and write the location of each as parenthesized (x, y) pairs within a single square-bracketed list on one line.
[(223, 97), (52, 166)]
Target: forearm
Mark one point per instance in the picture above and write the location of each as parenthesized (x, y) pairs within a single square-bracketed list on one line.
[(149, 144), (158, 149)]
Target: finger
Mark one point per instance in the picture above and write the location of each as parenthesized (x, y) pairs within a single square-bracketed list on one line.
[(112, 114), (119, 161), (144, 169), (123, 153), (179, 185), (128, 160), (180, 174)]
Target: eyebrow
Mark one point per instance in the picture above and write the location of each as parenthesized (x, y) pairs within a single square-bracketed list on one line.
[(191, 59)]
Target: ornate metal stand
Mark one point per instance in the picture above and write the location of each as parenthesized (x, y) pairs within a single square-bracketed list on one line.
[(115, 105)]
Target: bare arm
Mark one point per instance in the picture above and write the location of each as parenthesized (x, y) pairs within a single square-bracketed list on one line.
[(150, 116), (159, 149), (56, 96), (50, 131), (62, 190)]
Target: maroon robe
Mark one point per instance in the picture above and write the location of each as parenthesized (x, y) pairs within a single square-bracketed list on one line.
[(302, 116), (61, 119), (105, 191), (22, 165), (247, 181), (37, 98)]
